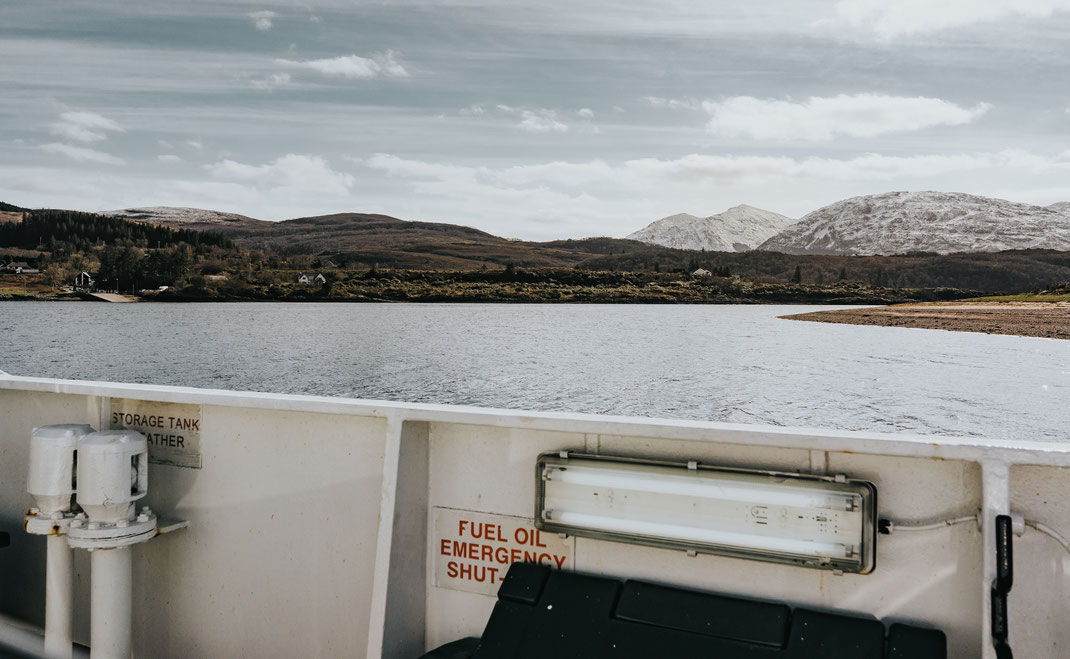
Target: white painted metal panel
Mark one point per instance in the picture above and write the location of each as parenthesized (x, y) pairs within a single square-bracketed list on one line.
[(311, 535)]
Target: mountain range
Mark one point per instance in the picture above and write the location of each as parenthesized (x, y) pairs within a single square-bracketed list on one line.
[(940, 222), (881, 224), (738, 229)]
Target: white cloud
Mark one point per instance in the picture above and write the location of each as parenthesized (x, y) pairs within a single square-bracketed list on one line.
[(672, 103), (272, 81), (306, 174), (84, 127), (262, 20), (695, 171), (585, 113), (536, 120), (473, 111), (195, 144), (168, 157), (82, 154), (823, 118), (379, 65), (890, 20), (541, 121)]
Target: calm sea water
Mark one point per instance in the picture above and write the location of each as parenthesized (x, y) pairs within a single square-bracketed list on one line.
[(725, 363)]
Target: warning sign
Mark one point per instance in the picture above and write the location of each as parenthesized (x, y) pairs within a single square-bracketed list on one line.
[(473, 551), (173, 430)]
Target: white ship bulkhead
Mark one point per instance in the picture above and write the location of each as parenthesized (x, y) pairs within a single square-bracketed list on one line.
[(336, 527)]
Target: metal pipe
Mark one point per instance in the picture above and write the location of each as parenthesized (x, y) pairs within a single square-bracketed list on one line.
[(111, 604), (58, 583)]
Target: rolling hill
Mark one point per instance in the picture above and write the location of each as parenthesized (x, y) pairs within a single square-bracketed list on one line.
[(363, 240)]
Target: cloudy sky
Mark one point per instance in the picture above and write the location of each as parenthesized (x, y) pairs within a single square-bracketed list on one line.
[(557, 118)]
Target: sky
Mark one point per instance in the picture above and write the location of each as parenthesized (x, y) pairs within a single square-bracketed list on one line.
[(532, 120)]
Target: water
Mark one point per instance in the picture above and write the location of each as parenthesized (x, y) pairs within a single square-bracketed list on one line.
[(725, 363)]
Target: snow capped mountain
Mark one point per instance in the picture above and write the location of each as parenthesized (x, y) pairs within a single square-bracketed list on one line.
[(1061, 206), (738, 229), (942, 222)]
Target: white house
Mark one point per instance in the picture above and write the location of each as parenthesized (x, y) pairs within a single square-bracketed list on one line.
[(84, 280), (702, 272), (305, 279)]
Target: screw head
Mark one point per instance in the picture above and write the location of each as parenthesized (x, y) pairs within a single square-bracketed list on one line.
[(142, 518)]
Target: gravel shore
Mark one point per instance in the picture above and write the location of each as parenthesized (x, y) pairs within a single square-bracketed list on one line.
[(1042, 319)]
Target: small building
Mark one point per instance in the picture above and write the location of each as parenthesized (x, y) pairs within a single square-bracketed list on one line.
[(18, 267), (702, 272), (27, 271), (329, 264), (85, 280), (316, 279), (215, 278)]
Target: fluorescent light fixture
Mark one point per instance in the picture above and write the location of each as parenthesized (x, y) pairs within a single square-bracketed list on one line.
[(816, 521)]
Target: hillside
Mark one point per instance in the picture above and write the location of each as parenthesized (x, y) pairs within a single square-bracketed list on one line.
[(10, 213), (737, 229), (196, 219), (1018, 271), (365, 239), (941, 222)]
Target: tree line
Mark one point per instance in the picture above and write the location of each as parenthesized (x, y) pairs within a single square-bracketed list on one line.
[(77, 231)]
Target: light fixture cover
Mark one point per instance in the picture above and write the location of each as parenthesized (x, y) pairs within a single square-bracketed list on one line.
[(824, 522)]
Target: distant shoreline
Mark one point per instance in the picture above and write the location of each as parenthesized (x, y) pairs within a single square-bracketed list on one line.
[(678, 291), (1050, 320)]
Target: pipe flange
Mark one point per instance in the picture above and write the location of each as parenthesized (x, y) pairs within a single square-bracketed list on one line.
[(38, 523), (99, 535)]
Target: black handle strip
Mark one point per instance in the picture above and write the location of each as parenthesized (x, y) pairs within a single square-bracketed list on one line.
[(1001, 585), (1004, 555)]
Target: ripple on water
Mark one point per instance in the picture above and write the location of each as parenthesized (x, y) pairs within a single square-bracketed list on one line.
[(725, 363)]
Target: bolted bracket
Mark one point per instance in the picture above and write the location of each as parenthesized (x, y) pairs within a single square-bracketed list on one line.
[(90, 535), (38, 523)]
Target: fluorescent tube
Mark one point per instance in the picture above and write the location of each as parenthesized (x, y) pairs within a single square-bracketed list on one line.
[(813, 520), (706, 488), (727, 538)]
